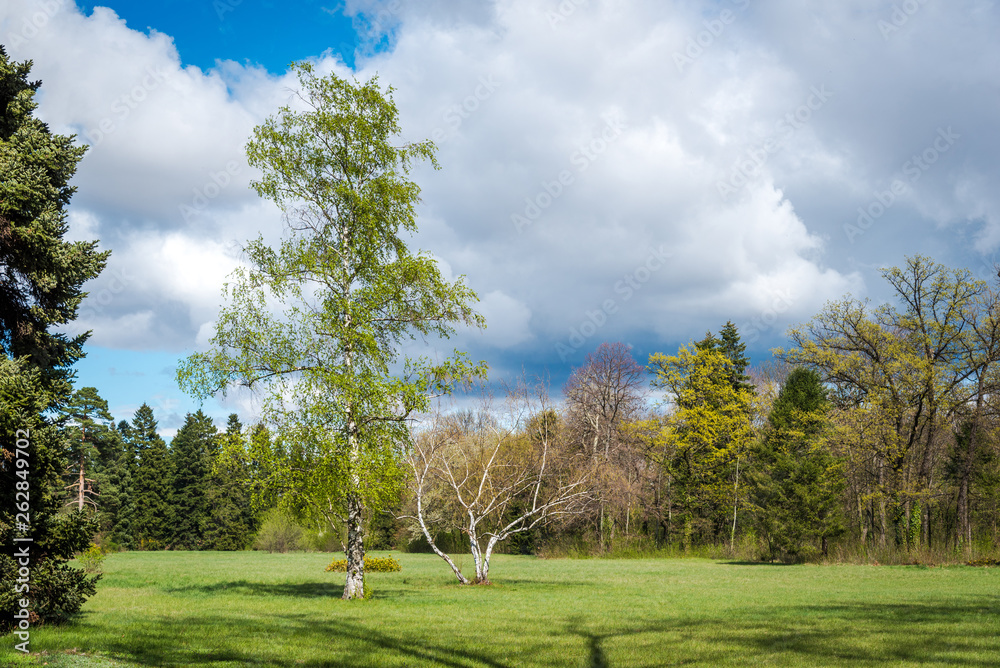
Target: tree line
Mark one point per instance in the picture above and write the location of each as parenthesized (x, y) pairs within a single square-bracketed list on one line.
[(146, 495)]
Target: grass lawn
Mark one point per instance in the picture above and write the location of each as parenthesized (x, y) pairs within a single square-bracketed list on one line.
[(257, 609)]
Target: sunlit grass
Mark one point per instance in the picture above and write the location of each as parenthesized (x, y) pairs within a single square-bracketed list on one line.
[(239, 609)]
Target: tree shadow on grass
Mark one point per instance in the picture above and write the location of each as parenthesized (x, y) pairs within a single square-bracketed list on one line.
[(821, 634), (919, 639), (286, 589), (757, 563)]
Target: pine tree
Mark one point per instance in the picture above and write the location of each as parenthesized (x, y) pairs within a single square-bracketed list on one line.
[(796, 481), (87, 426), (153, 482), (191, 452)]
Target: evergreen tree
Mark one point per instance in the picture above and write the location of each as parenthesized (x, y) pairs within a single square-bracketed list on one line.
[(729, 344), (118, 507), (152, 484), (232, 522), (87, 427), (41, 279), (191, 451), (796, 481)]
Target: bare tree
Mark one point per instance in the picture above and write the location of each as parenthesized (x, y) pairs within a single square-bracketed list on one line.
[(494, 474), (603, 395)]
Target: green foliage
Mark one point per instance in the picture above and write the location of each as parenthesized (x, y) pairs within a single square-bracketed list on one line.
[(796, 482), (87, 425), (233, 520), (42, 278), (279, 532), (40, 289), (707, 431), (118, 498), (191, 453), (91, 559), (318, 322), (153, 482), (372, 565)]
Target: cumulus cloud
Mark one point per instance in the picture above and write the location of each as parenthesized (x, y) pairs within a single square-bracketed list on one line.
[(731, 142)]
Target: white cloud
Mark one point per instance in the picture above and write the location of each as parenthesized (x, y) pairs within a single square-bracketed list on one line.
[(517, 100)]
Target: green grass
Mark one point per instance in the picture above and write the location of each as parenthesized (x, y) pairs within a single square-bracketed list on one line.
[(254, 609)]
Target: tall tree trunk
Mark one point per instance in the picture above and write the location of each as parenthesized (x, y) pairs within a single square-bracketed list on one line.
[(79, 495), (964, 521), (355, 585), (926, 464), (736, 492), (882, 528)]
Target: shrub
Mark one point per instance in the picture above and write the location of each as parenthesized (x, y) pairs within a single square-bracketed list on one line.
[(984, 562), (278, 532), (372, 565), (91, 559)]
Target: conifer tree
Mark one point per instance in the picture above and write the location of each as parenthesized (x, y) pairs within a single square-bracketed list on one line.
[(796, 481), (90, 443), (41, 279), (191, 451), (117, 506), (152, 484)]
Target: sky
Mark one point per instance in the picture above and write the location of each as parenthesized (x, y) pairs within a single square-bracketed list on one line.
[(611, 170)]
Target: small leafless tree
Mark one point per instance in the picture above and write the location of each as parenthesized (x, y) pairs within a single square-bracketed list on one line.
[(494, 473)]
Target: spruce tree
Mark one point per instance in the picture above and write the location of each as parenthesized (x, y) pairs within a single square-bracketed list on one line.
[(153, 483), (796, 481), (191, 452), (117, 505), (41, 279)]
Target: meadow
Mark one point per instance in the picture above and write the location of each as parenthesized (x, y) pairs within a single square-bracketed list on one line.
[(258, 609)]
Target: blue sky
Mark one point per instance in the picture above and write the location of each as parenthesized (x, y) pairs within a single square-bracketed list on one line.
[(268, 33), (612, 170)]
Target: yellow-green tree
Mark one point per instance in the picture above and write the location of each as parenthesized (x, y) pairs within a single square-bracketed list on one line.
[(319, 322), (900, 373), (709, 427)]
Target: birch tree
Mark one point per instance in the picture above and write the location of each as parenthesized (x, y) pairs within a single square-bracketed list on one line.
[(496, 475), (316, 324)]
